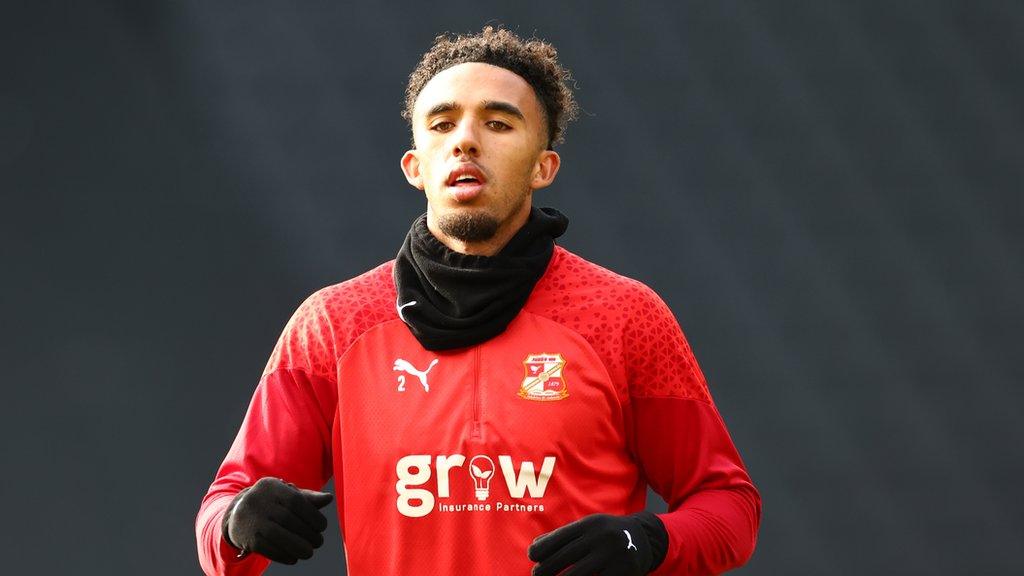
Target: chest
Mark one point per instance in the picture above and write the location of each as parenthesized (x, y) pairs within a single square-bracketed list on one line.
[(537, 386)]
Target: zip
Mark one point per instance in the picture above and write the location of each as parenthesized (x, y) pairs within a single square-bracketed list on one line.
[(476, 431)]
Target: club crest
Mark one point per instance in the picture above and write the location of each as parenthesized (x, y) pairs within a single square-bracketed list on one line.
[(545, 378)]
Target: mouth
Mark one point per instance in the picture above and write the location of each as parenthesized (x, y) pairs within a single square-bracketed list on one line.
[(465, 182)]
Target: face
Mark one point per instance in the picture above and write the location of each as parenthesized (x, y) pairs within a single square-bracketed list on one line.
[(480, 151)]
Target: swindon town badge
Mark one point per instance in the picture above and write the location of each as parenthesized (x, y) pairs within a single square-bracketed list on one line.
[(545, 378)]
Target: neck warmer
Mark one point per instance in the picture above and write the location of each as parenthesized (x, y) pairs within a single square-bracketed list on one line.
[(452, 300)]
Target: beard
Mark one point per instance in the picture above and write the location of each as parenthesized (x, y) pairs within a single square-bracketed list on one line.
[(472, 227)]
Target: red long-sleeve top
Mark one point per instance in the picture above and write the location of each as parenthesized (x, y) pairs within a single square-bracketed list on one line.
[(454, 461)]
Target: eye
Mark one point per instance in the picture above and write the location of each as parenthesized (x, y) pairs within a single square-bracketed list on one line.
[(443, 126), (499, 125)]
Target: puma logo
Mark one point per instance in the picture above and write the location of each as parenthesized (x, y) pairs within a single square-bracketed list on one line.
[(405, 366), (400, 306), (630, 544)]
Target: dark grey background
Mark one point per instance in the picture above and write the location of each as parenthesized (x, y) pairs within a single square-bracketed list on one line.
[(828, 195)]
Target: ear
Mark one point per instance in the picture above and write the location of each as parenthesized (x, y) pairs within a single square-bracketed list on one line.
[(545, 169), (411, 169)]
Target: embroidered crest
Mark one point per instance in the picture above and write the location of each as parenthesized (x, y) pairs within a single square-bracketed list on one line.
[(545, 378)]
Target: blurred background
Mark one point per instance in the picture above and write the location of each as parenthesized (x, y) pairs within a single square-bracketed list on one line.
[(828, 194)]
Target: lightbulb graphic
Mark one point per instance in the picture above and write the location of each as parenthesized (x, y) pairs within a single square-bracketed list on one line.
[(481, 468)]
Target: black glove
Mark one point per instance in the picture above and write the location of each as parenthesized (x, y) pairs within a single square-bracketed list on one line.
[(602, 544), (276, 519)]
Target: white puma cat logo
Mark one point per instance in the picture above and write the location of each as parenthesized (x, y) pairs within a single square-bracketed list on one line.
[(630, 537), (405, 366), (400, 306)]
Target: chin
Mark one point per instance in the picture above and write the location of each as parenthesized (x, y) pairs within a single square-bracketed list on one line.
[(468, 225)]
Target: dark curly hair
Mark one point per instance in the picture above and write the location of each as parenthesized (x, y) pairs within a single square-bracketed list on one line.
[(534, 60)]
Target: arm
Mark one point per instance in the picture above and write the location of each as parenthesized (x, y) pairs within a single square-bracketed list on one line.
[(685, 452), (681, 446), (688, 458), (285, 434)]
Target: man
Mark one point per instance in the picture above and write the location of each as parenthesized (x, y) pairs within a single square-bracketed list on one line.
[(487, 402)]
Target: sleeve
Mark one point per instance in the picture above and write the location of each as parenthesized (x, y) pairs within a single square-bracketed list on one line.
[(684, 450), (286, 433)]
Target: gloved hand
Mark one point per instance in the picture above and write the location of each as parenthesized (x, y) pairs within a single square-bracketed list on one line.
[(602, 544), (276, 519)]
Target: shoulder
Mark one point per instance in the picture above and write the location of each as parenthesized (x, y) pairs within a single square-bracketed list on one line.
[(330, 319), (358, 303), (626, 322), (571, 276)]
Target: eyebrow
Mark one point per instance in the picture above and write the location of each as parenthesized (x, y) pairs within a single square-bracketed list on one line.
[(505, 107), (495, 105)]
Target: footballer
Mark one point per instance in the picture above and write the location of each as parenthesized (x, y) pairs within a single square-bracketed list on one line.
[(487, 402)]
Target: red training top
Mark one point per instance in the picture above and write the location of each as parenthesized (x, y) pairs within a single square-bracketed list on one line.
[(453, 462)]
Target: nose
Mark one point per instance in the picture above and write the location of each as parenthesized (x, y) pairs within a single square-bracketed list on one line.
[(464, 140)]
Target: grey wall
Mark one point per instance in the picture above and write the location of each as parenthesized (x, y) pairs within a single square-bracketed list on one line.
[(828, 195)]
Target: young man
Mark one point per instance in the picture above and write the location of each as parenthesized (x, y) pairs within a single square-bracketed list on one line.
[(487, 402)]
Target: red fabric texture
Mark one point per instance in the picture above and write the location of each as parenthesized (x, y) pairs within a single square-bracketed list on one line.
[(592, 392)]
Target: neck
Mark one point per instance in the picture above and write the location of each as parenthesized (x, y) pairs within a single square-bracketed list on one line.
[(488, 247)]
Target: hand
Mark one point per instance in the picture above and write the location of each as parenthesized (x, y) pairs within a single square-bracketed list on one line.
[(602, 544), (276, 519)]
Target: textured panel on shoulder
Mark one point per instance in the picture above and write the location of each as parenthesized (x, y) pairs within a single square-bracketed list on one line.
[(331, 319), (660, 361), (626, 323)]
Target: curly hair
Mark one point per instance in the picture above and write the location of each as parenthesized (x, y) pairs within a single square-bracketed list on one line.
[(534, 60)]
